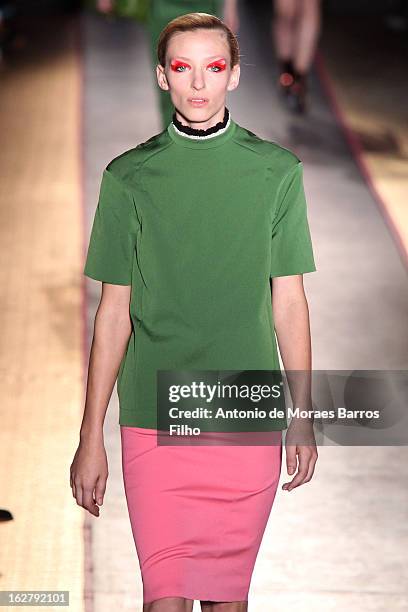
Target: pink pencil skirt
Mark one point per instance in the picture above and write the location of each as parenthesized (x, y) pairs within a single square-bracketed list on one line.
[(198, 513)]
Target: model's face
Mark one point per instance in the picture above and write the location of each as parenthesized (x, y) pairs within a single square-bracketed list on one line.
[(198, 75)]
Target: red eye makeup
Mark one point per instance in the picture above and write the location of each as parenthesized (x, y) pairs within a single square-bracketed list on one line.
[(176, 64), (221, 64), (179, 66)]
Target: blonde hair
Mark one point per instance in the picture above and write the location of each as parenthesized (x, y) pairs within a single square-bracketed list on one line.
[(195, 21)]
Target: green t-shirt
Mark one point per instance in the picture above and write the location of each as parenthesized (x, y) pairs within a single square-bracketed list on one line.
[(197, 227)]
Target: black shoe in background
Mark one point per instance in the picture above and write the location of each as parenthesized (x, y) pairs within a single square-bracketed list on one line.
[(286, 77), (298, 94)]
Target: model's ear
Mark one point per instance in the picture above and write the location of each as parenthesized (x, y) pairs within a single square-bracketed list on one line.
[(234, 77), (161, 77)]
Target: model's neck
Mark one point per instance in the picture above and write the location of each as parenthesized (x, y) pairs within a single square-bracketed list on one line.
[(190, 131)]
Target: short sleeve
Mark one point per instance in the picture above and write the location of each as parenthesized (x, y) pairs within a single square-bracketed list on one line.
[(292, 251), (112, 241)]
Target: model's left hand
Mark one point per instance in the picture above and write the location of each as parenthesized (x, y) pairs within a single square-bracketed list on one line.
[(300, 443)]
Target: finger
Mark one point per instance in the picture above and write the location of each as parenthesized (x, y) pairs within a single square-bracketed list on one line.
[(304, 459), (291, 463), (100, 490), (301, 473), (312, 464), (291, 459), (78, 493), (88, 502), (295, 482)]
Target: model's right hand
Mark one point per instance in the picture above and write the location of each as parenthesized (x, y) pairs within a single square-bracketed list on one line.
[(300, 445), (105, 6), (89, 473)]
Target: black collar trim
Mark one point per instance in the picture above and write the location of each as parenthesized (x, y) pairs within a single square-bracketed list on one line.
[(186, 129)]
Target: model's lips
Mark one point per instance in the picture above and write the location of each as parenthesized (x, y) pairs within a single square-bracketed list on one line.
[(198, 100)]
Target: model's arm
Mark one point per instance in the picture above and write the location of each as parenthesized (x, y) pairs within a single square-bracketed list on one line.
[(112, 329), (291, 317)]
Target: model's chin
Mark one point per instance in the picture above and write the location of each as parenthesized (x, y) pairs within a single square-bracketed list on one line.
[(199, 114)]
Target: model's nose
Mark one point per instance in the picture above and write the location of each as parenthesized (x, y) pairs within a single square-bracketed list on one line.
[(198, 80)]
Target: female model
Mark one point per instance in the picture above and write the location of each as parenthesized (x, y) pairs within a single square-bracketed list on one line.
[(296, 28), (160, 12), (189, 229)]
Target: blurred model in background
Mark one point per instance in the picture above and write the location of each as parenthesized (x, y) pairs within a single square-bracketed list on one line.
[(160, 13), (296, 28), (11, 38)]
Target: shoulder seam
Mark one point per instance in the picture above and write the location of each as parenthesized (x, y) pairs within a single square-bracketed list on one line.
[(139, 164), (166, 146), (266, 153), (244, 146), (118, 180), (125, 188), (285, 176)]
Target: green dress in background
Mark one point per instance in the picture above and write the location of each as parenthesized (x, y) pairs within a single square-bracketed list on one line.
[(160, 12)]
